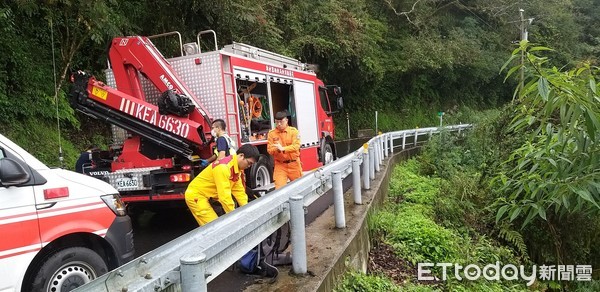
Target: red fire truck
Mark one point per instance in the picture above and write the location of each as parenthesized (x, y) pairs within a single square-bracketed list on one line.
[(161, 111)]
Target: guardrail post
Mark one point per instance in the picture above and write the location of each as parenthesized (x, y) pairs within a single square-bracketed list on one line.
[(381, 149), (403, 140), (192, 273), (366, 171), (376, 159), (391, 144), (430, 134), (385, 145), (298, 234), (338, 199), (380, 142), (356, 181), (459, 127), (377, 153), (371, 162), (416, 137)]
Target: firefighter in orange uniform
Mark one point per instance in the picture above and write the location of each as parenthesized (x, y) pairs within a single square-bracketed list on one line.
[(284, 146), (222, 180)]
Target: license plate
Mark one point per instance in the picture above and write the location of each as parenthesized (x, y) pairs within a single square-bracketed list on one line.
[(127, 183)]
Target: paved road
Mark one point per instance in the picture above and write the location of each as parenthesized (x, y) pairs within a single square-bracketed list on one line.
[(153, 229)]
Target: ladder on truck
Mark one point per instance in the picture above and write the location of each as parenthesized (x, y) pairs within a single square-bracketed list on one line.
[(264, 55)]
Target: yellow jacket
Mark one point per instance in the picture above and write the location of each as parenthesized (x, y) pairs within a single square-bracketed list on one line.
[(220, 180), (289, 139)]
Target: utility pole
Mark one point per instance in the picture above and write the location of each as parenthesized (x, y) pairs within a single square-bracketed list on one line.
[(524, 23), (348, 123), (376, 125)]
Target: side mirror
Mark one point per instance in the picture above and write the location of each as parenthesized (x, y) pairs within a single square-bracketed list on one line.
[(340, 102), (337, 90), (12, 173)]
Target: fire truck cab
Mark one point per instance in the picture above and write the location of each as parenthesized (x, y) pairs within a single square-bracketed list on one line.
[(161, 110), (58, 229)]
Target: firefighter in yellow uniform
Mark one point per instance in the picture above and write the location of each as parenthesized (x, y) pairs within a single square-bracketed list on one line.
[(284, 146), (222, 180)]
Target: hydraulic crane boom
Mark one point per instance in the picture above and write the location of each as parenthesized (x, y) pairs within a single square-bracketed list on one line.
[(98, 100), (176, 123), (136, 54)]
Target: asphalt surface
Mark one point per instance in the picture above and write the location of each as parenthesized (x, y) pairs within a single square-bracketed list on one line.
[(155, 228)]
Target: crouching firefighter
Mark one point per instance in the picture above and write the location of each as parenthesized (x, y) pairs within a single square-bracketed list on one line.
[(221, 181)]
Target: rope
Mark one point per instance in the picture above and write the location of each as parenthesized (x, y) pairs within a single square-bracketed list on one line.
[(255, 107)]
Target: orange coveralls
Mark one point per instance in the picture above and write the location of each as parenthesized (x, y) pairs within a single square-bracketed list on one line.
[(287, 162), (221, 180)]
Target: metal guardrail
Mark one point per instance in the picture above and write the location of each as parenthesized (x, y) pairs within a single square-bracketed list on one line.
[(196, 258)]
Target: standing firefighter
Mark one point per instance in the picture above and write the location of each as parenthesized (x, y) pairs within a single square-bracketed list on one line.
[(284, 146), (224, 145), (222, 180)]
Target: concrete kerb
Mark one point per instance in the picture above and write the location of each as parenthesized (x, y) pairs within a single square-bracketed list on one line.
[(332, 251)]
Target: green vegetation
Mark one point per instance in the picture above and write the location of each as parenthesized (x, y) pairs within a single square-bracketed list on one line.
[(546, 186), (358, 282), (432, 219), (405, 59), (559, 118), (520, 188), (437, 212)]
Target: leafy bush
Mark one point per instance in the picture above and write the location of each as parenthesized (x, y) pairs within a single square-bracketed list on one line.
[(409, 227), (355, 281), (484, 285), (587, 286), (442, 220), (546, 183), (556, 169), (407, 184), (418, 288), (416, 237)]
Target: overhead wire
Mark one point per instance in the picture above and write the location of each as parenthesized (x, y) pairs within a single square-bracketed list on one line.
[(475, 14), (60, 152)]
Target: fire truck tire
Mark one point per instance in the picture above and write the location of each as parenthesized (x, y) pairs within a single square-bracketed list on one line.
[(261, 173), (327, 153), (68, 269)]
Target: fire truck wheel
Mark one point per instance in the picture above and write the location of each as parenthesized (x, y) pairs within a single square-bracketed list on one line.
[(261, 173), (327, 154), (69, 269)]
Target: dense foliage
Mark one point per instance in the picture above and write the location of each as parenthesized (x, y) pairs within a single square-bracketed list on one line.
[(526, 177), (556, 169), (547, 182), (393, 56), (431, 217), (449, 205)]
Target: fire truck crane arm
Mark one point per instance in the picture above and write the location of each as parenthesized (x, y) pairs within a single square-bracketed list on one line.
[(95, 99), (133, 56)]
